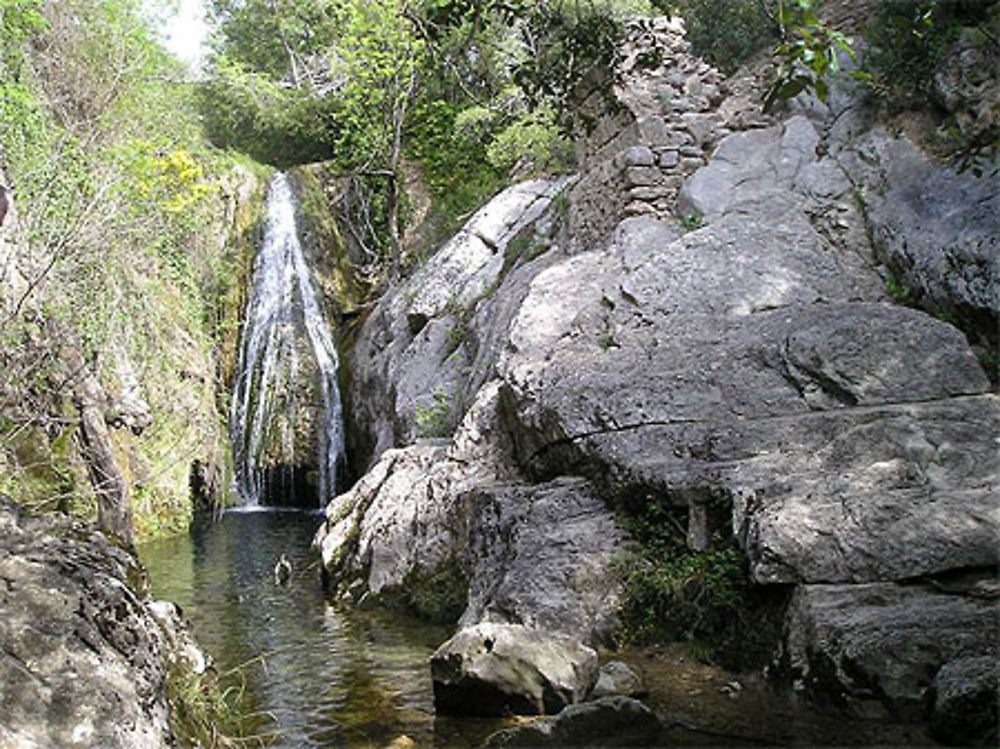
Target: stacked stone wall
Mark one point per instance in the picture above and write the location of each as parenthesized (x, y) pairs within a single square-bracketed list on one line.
[(647, 126)]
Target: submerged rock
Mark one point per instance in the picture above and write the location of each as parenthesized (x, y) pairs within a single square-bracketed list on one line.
[(503, 669), (609, 721), (85, 657)]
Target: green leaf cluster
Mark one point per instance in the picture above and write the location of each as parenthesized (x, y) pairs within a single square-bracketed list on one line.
[(908, 40), (727, 33), (673, 593), (808, 54)]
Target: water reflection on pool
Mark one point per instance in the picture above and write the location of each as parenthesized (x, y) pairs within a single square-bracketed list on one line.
[(329, 676)]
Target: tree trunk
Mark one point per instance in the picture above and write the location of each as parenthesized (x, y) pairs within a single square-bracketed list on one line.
[(114, 513)]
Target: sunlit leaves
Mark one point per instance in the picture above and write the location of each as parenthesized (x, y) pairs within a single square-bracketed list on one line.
[(808, 54)]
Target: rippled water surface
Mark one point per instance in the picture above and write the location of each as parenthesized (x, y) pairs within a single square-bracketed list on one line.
[(330, 677)]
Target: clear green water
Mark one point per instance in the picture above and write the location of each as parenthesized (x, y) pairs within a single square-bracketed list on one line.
[(330, 677), (339, 677)]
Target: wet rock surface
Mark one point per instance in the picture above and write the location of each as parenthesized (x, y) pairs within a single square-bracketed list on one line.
[(84, 657), (606, 722)]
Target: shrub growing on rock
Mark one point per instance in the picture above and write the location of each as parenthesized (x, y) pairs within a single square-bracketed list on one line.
[(673, 593)]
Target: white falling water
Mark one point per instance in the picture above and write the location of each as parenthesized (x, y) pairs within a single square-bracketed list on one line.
[(282, 304)]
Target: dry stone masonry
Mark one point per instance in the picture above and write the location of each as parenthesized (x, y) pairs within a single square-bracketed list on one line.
[(649, 124)]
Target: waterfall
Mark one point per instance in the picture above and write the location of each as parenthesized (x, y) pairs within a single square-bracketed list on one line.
[(285, 349)]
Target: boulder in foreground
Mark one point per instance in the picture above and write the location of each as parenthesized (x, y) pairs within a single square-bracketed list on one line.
[(609, 721), (503, 669)]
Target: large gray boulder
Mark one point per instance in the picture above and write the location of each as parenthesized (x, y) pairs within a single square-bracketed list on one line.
[(86, 658), (543, 556), (535, 554), (757, 364), (503, 669), (771, 375), (410, 357)]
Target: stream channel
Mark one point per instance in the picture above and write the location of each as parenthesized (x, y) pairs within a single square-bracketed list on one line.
[(330, 677), (333, 676)]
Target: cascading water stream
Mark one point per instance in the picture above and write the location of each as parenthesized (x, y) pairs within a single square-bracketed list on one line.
[(285, 335)]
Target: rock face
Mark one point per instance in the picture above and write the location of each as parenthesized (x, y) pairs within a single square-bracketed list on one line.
[(937, 231), (539, 555), (85, 659), (499, 669), (411, 352), (755, 363), (884, 642)]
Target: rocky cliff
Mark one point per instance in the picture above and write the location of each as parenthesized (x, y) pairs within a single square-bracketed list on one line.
[(87, 659), (699, 319)]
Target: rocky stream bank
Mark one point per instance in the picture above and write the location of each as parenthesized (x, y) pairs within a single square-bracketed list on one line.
[(87, 657)]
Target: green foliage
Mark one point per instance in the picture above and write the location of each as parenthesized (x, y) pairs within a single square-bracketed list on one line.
[(434, 419), (119, 200), (562, 42), (989, 360), (203, 714), (19, 20), (896, 289), (275, 37), (253, 113), (673, 593), (727, 33), (909, 39), (808, 54), (692, 221), (450, 144), (531, 145), (457, 335), (440, 596)]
